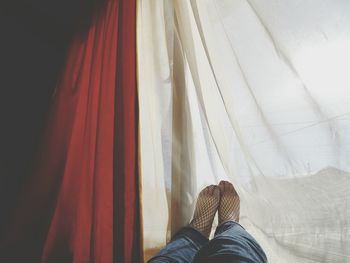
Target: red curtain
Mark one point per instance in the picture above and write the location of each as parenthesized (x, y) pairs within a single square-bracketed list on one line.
[(82, 204)]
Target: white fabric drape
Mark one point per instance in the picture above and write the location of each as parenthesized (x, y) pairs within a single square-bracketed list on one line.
[(256, 92)]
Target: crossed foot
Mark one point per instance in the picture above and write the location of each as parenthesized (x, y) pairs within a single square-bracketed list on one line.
[(222, 198)]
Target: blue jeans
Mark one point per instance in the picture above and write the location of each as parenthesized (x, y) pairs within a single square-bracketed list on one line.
[(231, 244)]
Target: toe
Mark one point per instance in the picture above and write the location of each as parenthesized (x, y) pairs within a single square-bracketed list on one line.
[(211, 189), (222, 186), (230, 187), (226, 185), (208, 190)]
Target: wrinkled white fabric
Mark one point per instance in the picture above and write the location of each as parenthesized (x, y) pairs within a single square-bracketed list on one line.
[(256, 92)]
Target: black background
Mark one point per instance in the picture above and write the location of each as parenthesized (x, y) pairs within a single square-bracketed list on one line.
[(35, 36)]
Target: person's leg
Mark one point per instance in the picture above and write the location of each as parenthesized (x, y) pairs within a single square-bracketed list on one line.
[(231, 243), (187, 242), (182, 248)]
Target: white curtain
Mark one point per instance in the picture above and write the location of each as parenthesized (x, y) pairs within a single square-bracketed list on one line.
[(256, 92)]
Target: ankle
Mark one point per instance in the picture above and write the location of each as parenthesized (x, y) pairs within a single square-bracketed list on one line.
[(204, 231)]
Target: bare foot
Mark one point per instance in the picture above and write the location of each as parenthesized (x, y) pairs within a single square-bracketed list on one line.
[(206, 206), (229, 206)]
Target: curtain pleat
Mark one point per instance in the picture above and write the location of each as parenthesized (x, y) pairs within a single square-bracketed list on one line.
[(126, 213), (255, 92), (81, 205)]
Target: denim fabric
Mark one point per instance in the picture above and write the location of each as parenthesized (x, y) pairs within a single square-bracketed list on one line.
[(231, 244), (182, 248)]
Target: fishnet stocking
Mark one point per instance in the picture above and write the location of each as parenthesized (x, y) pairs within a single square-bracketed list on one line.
[(206, 206), (229, 206)]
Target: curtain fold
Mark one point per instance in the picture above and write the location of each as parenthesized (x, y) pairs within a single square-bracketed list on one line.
[(127, 246), (255, 92), (81, 205)]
